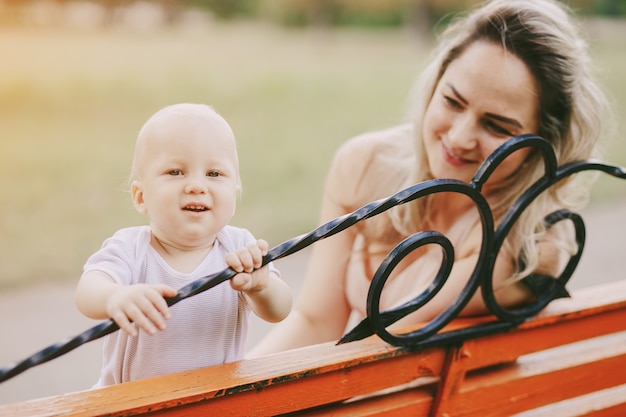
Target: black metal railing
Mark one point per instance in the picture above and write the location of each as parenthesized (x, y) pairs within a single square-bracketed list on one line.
[(376, 321)]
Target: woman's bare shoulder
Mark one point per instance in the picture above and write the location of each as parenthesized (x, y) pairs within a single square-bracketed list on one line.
[(381, 148), (397, 139), (369, 166)]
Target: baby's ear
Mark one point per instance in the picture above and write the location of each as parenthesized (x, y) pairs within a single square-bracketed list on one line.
[(136, 193)]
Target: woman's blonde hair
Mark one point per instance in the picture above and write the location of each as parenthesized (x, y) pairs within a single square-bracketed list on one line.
[(543, 35)]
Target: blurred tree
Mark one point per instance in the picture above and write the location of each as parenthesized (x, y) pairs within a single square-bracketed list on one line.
[(421, 15), (612, 8), (227, 9)]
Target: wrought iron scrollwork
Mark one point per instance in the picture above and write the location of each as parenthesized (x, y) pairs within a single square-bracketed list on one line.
[(376, 321)]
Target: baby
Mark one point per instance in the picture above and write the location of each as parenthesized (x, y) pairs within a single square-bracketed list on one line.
[(185, 179)]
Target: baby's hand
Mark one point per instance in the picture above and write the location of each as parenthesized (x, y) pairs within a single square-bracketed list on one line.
[(245, 260), (141, 304)]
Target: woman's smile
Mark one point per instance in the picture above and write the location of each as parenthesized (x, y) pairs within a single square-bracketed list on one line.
[(453, 159)]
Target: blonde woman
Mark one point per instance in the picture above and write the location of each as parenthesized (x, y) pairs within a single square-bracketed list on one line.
[(505, 69)]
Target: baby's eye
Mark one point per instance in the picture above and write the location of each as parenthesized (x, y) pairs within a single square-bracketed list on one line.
[(213, 174), (174, 172)]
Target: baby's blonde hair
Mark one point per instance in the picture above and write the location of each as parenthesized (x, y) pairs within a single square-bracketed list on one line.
[(197, 111)]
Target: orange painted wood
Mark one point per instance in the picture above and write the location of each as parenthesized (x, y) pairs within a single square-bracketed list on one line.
[(319, 378), (605, 403), (590, 410), (591, 312), (618, 410), (322, 388), (540, 379), (281, 383), (414, 401), (452, 377)]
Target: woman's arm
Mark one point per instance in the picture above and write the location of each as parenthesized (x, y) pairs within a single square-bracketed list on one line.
[(321, 311), (359, 174)]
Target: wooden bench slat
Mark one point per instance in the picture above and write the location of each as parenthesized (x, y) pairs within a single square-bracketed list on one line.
[(309, 378), (416, 401), (338, 385), (540, 379), (606, 403), (592, 312), (318, 370)]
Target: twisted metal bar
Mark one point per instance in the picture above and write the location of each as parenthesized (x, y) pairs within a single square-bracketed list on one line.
[(376, 322), (286, 248)]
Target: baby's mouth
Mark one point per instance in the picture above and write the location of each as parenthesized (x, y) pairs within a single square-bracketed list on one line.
[(195, 208)]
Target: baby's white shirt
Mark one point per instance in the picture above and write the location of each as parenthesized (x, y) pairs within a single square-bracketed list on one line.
[(209, 328)]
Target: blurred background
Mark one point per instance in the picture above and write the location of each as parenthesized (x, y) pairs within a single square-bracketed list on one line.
[(294, 78)]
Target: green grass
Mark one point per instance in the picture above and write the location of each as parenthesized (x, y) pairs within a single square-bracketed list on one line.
[(71, 105)]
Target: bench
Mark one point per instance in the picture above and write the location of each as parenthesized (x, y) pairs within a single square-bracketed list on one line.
[(569, 360)]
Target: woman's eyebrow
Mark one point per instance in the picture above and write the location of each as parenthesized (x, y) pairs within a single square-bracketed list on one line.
[(457, 94), (498, 117)]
